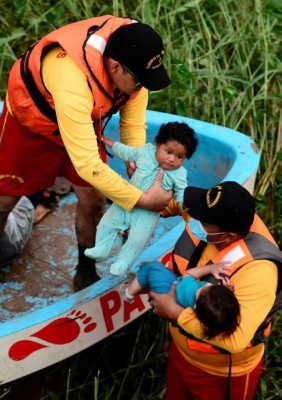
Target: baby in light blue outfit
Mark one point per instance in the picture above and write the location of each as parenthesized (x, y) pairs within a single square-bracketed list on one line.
[(174, 142)]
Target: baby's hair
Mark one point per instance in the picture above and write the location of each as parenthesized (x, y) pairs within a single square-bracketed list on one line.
[(181, 132), (218, 310)]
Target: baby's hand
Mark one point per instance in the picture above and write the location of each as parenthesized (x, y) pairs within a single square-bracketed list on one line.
[(221, 268), (226, 282)]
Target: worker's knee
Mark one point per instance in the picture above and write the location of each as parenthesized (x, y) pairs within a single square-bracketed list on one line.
[(7, 203), (90, 200)]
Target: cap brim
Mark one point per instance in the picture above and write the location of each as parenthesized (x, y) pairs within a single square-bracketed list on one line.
[(154, 80), (195, 203)]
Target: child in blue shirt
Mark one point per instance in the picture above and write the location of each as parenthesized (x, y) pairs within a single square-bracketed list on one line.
[(214, 304)]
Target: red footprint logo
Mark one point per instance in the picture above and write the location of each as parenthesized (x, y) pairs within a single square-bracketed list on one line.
[(61, 331)]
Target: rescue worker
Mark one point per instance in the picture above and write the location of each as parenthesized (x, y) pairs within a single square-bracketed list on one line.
[(222, 226), (61, 93)]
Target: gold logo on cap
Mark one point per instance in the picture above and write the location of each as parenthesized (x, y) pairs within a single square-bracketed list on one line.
[(212, 203), (156, 61)]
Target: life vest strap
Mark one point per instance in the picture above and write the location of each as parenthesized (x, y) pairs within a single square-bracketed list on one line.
[(37, 97), (193, 260)]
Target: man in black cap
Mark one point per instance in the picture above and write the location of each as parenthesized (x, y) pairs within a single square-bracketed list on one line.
[(61, 94), (222, 226)]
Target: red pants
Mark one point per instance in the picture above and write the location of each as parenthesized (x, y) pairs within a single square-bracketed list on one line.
[(30, 162), (186, 382)]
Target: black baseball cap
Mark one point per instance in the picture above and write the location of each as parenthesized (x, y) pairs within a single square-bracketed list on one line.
[(140, 49), (227, 205)]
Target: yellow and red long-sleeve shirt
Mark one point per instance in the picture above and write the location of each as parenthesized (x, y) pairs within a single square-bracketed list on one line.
[(66, 69)]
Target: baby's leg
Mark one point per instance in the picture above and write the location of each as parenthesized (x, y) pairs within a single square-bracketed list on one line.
[(160, 278), (142, 226), (135, 287), (107, 230), (130, 290), (154, 276)]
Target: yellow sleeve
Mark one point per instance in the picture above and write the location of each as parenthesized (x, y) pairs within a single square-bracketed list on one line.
[(173, 209), (132, 122), (255, 286), (73, 102)]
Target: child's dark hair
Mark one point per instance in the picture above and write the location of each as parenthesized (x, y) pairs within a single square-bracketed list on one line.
[(181, 132), (218, 310)]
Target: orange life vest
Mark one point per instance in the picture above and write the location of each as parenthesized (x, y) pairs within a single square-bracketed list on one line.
[(257, 245), (85, 42)]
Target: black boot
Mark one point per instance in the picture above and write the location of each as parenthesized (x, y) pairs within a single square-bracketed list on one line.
[(86, 273)]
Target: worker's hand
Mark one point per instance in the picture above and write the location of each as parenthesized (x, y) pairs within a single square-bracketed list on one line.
[(156, 198), (165, 305), (130, 168)]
